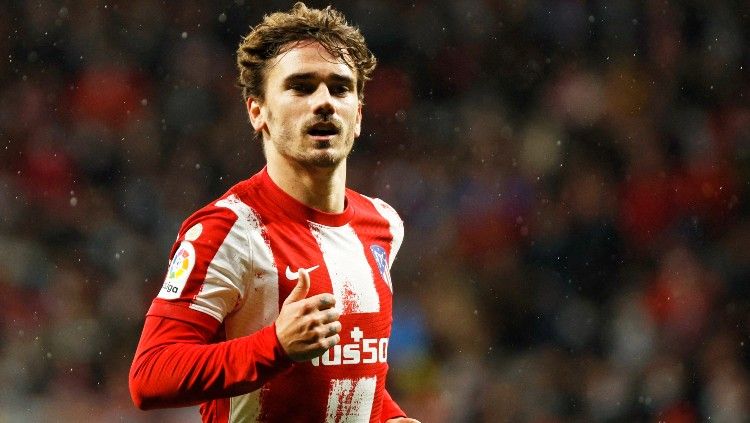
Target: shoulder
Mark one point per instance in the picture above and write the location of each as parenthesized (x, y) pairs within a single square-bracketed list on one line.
[(232, 209), (375, 205), (380, 213)]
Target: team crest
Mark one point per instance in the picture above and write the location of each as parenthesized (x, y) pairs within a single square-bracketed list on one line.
[(179, 270), (381, 259)]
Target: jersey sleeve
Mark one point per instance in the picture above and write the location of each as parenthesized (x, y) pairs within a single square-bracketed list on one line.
[(390, 409), (208, 264), (396, 226), (176, 366), (178, 361)]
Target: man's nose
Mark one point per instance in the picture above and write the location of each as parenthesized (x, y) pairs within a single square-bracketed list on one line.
[(321, 101)]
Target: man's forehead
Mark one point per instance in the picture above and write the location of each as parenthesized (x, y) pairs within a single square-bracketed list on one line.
[(306, 56)]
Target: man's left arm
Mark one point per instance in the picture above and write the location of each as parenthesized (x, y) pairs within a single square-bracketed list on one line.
[(391, 410), (392, 413)]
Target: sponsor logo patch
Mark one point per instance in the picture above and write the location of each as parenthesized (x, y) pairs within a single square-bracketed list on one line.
[(381, 259), (295, 275), (361, 351), (179, 270)]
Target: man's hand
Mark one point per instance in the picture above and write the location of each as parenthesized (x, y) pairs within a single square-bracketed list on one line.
[(402, 420), (307, 327)]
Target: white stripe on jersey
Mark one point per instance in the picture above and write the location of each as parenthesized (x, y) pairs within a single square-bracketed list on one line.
[(397, 226), (260, 310), (245, 408), (221, 288), (351, 276), (260, 306), (350, 401)]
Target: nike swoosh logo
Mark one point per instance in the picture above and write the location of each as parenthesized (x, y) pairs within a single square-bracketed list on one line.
[(295, 275)]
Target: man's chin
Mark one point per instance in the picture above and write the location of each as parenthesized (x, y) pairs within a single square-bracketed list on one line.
[(324, 159)]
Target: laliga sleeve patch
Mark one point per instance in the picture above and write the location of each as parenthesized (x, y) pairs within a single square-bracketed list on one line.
[(179, 270)]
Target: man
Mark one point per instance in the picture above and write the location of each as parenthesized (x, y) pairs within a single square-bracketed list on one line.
[(276, 306)]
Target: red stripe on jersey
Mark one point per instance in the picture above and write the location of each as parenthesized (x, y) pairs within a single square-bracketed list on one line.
[(216, 222), (293, 247), (373, 228), (288, 225)]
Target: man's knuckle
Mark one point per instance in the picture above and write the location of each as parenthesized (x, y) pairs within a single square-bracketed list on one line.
[(318, 320)]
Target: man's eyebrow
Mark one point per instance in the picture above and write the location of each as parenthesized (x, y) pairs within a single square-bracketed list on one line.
[(299, 76), (349, 81), (306, 76)]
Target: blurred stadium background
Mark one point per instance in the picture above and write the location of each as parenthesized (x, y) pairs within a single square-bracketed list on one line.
[(573, 176)]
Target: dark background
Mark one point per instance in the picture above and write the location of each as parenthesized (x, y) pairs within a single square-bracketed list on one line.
[(573, 177)]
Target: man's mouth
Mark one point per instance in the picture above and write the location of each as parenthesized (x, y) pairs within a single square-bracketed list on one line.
[(323, 130)]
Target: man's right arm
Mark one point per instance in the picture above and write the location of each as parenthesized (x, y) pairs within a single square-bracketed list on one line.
[(175, 364)]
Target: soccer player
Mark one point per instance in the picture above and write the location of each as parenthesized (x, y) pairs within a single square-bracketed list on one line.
[(276, 306)]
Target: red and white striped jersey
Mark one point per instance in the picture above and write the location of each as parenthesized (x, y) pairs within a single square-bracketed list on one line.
[(237, 259)]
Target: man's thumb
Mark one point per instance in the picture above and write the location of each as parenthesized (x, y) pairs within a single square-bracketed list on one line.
[(299, 292)]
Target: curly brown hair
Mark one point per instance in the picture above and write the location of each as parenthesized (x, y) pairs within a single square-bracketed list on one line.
[(327, 27)]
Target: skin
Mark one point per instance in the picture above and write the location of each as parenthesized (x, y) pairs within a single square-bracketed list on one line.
[(306, 86), (307, 327)]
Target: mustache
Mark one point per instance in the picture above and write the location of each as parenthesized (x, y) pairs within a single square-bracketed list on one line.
[(327, 120)]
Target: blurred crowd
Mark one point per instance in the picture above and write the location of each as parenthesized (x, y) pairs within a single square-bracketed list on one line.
[(573, 176)]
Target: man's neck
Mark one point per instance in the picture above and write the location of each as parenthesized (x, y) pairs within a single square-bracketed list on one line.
[(320, 188)]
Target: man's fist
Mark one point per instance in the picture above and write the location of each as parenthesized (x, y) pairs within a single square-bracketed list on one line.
[(307, 327)]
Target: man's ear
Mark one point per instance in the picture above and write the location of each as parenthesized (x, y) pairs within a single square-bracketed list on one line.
[(256, 115), (358, 122)]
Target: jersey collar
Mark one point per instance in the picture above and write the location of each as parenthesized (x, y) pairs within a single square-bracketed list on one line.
[(297, 210)]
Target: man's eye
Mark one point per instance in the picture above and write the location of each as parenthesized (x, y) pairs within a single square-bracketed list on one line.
[(339, 90), (301, 88)]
